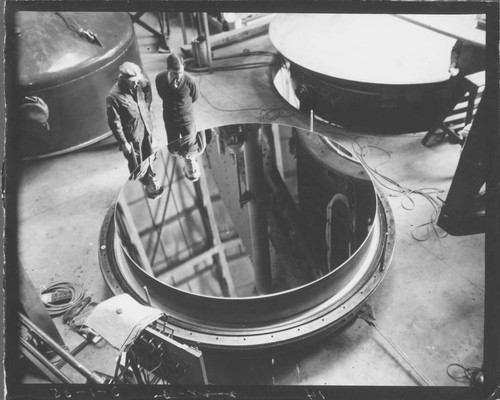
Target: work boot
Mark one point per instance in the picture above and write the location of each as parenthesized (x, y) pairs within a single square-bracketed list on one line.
[(191, 169), (153, 188)]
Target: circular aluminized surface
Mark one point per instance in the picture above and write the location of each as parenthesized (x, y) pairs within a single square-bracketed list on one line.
[(373, 48), (253, 320)]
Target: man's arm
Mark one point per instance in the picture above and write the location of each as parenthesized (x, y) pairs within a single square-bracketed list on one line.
[(159, 85), (193, 91), (148, 93), (114, 120)]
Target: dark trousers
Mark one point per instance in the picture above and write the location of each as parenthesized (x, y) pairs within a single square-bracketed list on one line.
[(139, 169), (185, 141)]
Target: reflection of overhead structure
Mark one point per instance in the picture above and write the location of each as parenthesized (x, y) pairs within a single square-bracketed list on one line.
[(281, 239), (177, 239), (338, 192), (389, 79), (66, 62)]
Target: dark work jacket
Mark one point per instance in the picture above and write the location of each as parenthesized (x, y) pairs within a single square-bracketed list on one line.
[(129, 114), (177, 102), (467, 57)]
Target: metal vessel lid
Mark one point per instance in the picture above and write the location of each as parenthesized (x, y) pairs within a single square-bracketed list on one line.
[(54, 47)]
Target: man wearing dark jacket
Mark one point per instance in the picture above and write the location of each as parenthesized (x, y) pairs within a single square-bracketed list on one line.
[(128, 111), (465, 59), (178, 92)]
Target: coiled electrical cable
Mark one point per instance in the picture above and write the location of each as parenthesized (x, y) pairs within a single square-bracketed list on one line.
[(54, 308)]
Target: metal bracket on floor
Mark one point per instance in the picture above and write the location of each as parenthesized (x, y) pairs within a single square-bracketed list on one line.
[(366, 314)]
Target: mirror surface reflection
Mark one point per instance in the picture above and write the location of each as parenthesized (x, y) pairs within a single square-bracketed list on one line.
[(275, 208)]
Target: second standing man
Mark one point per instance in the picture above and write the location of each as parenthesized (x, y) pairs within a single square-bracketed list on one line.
[(178, 92)]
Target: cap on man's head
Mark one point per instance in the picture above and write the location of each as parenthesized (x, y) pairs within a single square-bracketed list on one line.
[(129, 69), (174, 62)]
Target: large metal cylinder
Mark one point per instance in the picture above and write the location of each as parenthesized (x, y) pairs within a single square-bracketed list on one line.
[(298, 183), (66, 62), (372, 73)]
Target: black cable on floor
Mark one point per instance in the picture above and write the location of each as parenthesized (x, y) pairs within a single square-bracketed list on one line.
[(267, 114), (71, 293), (394, 189), (471, 375)]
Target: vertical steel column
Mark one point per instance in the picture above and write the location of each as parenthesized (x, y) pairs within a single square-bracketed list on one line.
[(183, 28), (207, 42), (257, 211)]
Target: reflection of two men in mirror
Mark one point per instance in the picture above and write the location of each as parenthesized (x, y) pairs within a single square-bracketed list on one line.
[(130, 120), (178, 92)]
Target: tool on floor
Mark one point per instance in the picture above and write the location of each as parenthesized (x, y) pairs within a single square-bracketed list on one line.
[(366, 314)]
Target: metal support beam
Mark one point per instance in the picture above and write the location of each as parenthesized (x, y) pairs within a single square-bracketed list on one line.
[(257, 211), (220, 256), (164, 27), (227, 38), (41, 363), (64, 354), (183, 28), (165, 31), (193, 261), (135, 239), (207, 42), (472, 36)]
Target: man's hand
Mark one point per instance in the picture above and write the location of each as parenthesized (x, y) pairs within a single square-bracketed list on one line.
[(453, 70), (127, 149)]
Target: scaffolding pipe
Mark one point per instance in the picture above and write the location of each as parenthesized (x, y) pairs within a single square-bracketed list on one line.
[(37, 358), (257, 212), (65, 355), (183, 28), (207, 42)]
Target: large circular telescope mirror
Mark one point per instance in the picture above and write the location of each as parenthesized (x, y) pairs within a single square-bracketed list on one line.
[(323, 69), (282, 239)]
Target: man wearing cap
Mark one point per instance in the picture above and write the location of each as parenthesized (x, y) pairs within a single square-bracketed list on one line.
[(128, 110), (178, 92)]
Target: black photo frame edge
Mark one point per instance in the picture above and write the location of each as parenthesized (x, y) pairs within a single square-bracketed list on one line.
[(491, 356)]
